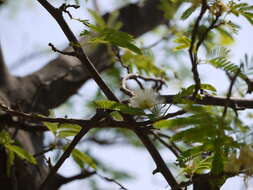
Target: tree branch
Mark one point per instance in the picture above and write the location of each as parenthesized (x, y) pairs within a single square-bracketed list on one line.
[(64, 156), (136, 21), (234, 103)]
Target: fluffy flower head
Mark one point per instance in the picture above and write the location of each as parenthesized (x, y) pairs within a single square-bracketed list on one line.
[(145, 98)]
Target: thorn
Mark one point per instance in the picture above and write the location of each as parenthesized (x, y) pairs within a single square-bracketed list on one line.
[(155, 171)]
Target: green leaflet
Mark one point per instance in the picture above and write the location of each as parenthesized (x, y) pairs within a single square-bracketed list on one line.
[(178, 122), (243, 9), (104, 33), (144, 63), (98, 19), (73, 127), (114, 37), (21, 153), (82, 158), (217, 163), (117, 116), (225, 37), (51, 126), (220, 59), (193, 152), (188, 12), (10, 161), (183, 42), (200, 134), (5, 138), (67, 133), (112, 105), (168, 7), (63, 130)]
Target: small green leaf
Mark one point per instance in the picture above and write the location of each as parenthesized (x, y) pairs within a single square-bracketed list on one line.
[(21, 153), (83, 158), (112, 105), (183, 42), (225, 37), (67, 133), (10, 161), (99, 20), (188, 12), (177, 122), (117, 116), (208, 87), (118, 38), (5, 138), (143, 63), (52, 126), (217, 164), (73, 127)]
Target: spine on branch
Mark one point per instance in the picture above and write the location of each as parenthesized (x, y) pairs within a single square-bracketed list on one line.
[(4, 73)]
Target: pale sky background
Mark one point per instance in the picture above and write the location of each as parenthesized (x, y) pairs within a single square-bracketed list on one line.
[(31, 28)]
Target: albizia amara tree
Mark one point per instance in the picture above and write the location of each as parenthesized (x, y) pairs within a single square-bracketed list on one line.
[(201, 126)]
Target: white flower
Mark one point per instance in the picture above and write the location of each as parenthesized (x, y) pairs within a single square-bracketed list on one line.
[(145, 98)]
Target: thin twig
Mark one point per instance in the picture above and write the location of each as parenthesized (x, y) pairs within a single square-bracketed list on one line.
[(64, 156), (204, 35), (83, 175), (165, 144), (111, 180), (61, 52), (192, 52), (82, 122), (233, 79), (159, 83), (116, 51), (172, 143), (160, 164), (51, 148)]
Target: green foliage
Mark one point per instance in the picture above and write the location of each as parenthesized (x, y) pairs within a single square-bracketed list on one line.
[(226, 37), (117, 38), (101, 33), (83, 159), (198, 166), (180, 97), (243, 9), (63, 130), (115, 106), (183, 43), (67, 130), (204, 132), (51, 126), (178, 122), (169, 7), (220, 59), (14, 150), (192, 153), (21, 153), (188, 12), (217, 163), (98, 19), (144, 64), (5, 138)]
